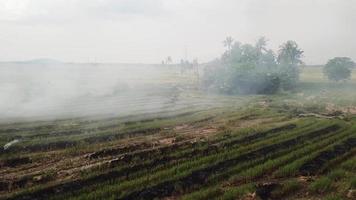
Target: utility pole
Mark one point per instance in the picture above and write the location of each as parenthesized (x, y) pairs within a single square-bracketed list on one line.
[(196, 66)]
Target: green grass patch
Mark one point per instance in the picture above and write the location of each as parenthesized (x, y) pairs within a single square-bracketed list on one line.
[(321, 185)]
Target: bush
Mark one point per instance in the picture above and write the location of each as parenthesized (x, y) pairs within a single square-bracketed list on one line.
[(257, 83), (289, 76), (338, 69)]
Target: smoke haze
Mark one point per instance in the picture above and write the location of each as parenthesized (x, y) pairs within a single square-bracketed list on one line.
[(73, 90), (143, 31)]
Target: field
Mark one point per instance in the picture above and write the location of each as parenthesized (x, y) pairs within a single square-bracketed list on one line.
[(299, 145)]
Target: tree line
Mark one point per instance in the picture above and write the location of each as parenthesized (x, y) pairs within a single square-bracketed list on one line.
[(255, 69)]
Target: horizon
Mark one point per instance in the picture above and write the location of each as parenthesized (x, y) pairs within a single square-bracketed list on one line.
[(110, 63)]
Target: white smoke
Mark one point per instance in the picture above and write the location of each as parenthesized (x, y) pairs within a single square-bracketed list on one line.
[(74, 90)]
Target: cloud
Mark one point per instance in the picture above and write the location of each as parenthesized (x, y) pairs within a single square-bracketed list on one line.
[(125, 7), (11, 10), (53, 11), (149, 30)]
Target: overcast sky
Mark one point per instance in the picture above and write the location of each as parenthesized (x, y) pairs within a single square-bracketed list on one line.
[(146, 31)]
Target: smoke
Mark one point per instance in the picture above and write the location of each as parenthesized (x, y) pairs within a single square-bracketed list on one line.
[(48, 91)]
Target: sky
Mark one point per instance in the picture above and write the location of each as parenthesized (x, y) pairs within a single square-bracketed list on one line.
[(147, 31)]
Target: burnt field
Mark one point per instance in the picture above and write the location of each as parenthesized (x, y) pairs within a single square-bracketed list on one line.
[(216, 153)]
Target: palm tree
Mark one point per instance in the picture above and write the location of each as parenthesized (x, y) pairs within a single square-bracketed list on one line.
[(290, 54), (228, 42)]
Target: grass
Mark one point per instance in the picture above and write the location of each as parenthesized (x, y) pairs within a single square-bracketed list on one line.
[(209, 193), (353, 183), (288, 187), (237, 192), (121, 188), (321, 185), (337, 174), (334, 197)]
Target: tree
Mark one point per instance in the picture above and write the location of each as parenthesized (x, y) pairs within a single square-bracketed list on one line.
[(338, 68), (290, 54), (244, 69), (254, 69), (261, 44), (228, 42), (289, 58), (168, 60)]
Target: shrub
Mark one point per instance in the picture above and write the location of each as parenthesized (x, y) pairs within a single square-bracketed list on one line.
[(339, 68)]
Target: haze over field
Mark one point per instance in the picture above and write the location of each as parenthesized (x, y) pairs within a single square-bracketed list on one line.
[(143, 31), (45, 91)]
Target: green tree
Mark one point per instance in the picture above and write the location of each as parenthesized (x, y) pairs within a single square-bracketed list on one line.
[(254, 69), (339, 68), (245, 68), (290, 54), (289, 59)]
